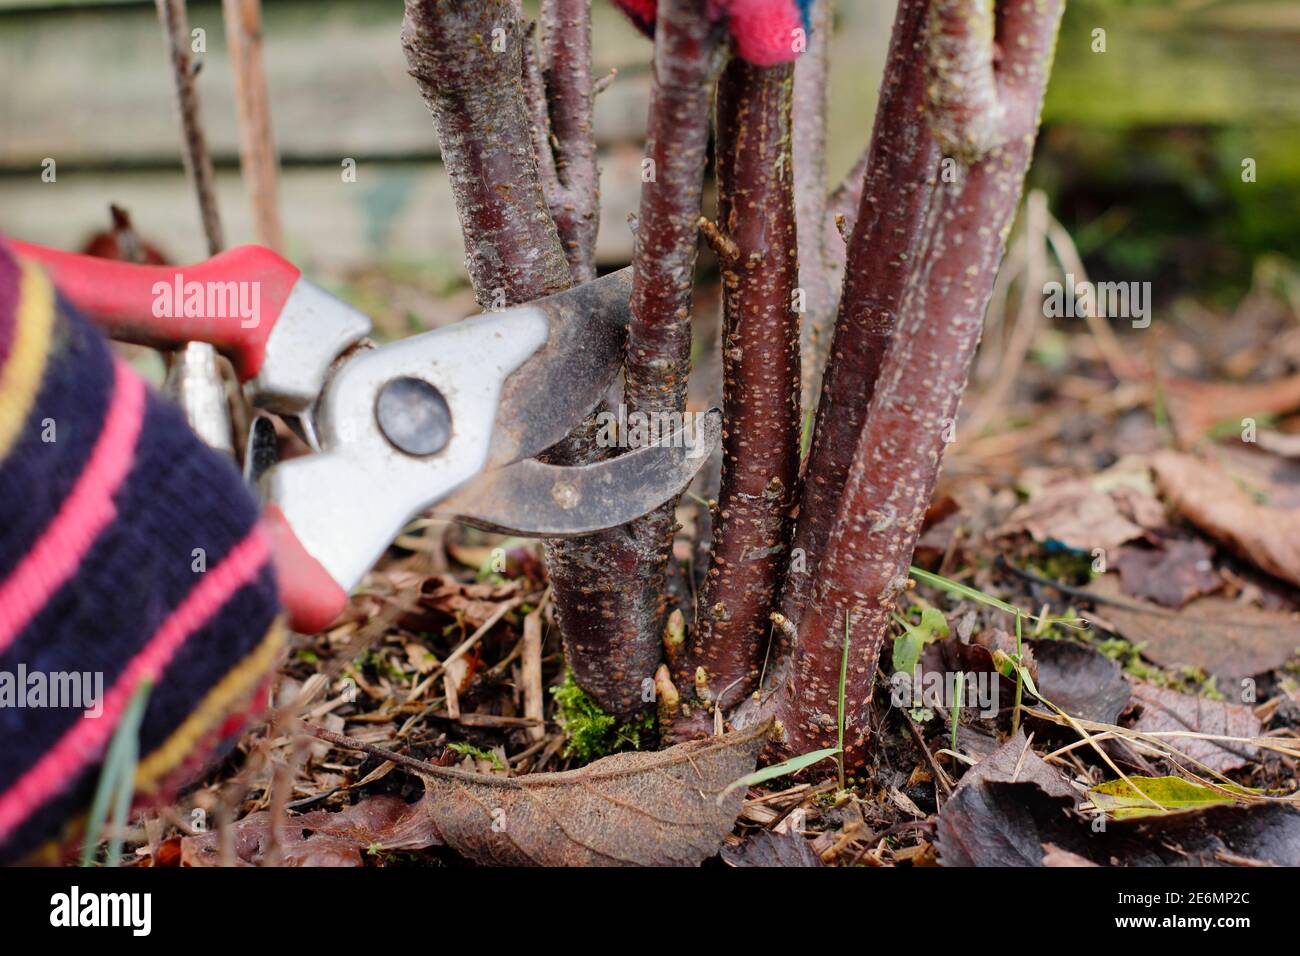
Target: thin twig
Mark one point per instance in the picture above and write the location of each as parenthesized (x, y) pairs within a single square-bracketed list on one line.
[(257, 155)]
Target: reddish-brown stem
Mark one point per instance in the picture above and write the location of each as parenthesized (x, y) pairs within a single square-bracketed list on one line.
[(899, 178), (467, 57), (913, 411), (610, 599), (566, 72), (758, 249), (817, 272)]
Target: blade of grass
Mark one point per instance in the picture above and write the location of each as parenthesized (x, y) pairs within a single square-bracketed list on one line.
[(1020, 681), (965, 590), (1001, 658), (116, 776), (958, 692), (784, 768)]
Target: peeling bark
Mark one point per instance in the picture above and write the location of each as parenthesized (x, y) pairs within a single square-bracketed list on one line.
[(471, 79), (897, 457), (900, 171), (611, 598), (757, 245)]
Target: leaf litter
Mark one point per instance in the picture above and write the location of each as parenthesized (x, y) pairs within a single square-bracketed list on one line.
[(1205, 606)]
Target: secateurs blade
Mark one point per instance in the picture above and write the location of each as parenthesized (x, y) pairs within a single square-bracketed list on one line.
[(448, 422)]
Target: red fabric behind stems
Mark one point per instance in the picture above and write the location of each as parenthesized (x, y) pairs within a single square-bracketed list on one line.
[(119, 297), (310, 596), (763, 29)]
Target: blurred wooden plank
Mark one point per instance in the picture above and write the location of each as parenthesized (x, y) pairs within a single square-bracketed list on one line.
[(394, 212), (91, 85)]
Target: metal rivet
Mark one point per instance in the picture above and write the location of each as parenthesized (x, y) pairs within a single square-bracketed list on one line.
[(413, 416), (565, 495)]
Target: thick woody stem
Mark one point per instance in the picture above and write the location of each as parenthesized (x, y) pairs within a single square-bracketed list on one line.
[(902, 164), (817, 256), (760, 358), (566, 72), (467, 57), (611, 599), (965, 109), (913, 411), (488, 101)]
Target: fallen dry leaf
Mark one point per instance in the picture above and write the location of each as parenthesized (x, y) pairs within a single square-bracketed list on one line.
[(1197, 407), (1055, 856), (629, 809), (992, 823), (765, 848), (1270, 479), (1166, 710), (1170, 575), (1223, 637), (473, 604), (1266, 536), (1013, 761), (321, 838), (1085, 515), (1080, 680)]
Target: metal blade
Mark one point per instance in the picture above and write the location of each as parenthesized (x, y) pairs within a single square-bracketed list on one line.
[(562, 382), (534, 499)]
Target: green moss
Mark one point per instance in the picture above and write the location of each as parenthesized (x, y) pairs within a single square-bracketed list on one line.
[(478, 753), (1068, 567), (593, 733)]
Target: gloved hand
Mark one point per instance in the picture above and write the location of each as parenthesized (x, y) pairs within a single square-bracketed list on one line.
[(763, 30), (129, 550)]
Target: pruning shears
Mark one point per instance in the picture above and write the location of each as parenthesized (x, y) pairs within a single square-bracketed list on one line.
[(447, 422)]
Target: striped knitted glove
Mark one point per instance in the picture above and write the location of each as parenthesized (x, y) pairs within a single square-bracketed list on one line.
[(763, 30), (129, 551)]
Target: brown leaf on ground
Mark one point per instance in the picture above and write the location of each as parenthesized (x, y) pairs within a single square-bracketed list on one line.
[(1195, 408), (629, 809), (1055, 856), (1266, 536), (765, 848), (472, 604), (321, 838), (1283, 444), (1270, 479), (1081, 681), (1167, 710), (1013, 761), (1086, 514), (1223, 637), (942, 659), (993, 823), (1170, 575)]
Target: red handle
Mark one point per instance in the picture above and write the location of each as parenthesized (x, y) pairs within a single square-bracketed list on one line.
[(231, 300), (311, 597)]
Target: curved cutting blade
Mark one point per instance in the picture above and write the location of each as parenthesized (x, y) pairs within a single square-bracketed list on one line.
[(534, 499), (559, 385)]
